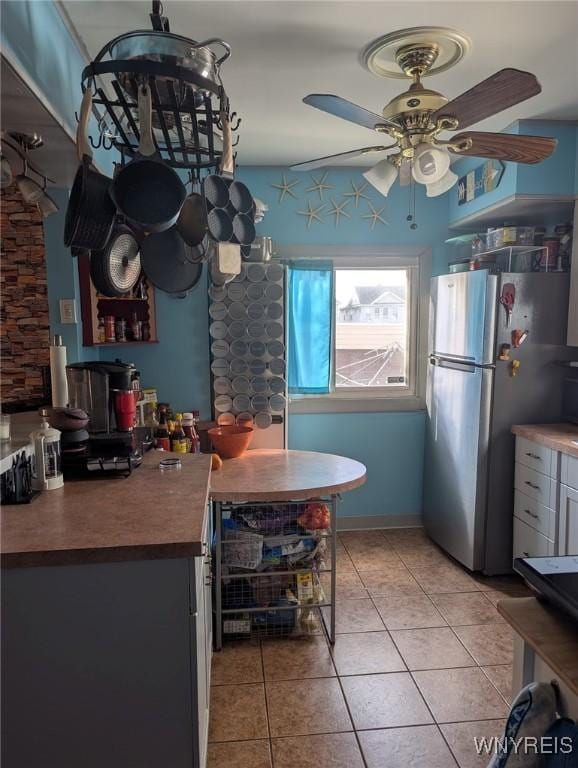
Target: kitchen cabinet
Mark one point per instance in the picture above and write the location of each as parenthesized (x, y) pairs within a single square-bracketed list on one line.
[(106, 664), (568, 544), (545, 501), (93, 305)]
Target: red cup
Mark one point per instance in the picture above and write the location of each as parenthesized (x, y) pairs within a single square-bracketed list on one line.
[(125, 408)]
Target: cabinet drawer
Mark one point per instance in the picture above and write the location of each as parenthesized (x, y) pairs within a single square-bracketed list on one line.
[(535, 515), (569, 470), (535, 484), (529, 543), (536, 456)]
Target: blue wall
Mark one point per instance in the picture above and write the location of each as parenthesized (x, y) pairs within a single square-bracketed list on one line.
[(389, 444), (37, 43)]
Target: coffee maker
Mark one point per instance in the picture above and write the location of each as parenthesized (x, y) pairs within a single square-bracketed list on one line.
[(108, 392)]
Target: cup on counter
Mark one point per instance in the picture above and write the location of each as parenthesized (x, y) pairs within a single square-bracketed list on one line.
[(125, 408)]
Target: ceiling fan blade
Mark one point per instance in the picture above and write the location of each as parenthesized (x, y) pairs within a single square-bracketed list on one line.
[(405, 172), (320, 162), (502, 90), (339, 107), (507, 146)]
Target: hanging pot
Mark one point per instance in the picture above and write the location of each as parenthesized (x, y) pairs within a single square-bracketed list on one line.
[(116, 270), (192, 222), (148, 193), (170, 244), (90, 212), (171, 270)]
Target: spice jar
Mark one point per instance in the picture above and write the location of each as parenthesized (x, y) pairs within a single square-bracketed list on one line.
[(120, 328), (109, 329)]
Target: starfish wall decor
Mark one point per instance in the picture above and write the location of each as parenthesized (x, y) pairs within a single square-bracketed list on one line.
[(313, 214), (357, 192), (319, 185), (286, 188), (375, 215), (338, 210)]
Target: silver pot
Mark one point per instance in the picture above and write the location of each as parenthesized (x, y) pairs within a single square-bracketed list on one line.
[(261, 249), (168, 48)]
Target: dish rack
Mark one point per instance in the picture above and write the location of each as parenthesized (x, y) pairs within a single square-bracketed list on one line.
[(273, 576)]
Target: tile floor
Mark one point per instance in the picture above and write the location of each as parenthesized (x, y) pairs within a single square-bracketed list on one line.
[(421, 665)]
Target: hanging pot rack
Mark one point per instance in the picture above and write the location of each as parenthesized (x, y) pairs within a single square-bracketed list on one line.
[(186, 108)]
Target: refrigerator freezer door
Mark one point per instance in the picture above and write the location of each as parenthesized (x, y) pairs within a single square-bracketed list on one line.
[(462, 316), (458, 418)]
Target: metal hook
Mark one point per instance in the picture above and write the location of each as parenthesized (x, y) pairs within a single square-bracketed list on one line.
[(235, 126)]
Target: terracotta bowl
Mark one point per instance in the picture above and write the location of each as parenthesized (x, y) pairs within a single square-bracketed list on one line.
[(230, 442)]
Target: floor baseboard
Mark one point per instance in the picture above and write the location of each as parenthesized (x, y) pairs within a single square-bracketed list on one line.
[(369, 522)]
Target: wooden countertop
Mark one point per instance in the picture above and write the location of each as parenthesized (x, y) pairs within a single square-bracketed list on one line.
[(279, 475), (148, 515), (552, 635), (559, 437)]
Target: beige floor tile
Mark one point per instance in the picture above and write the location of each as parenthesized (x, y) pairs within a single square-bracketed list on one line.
[(494, 595), (424, 554), (357, 537), (419, 746), (399, 536), (435, 648), (297, 659), (408, 612), (443, 578), (488, 643), (332, 750), (365, 653), (355, 616), (501, 677), (385, 701), (238, 712), (374, 559), (343, 561), (392, 581), (461, 738), (457, 695), (306, 706), (237, 663), (348, 585), (462, 608), (239, 754)]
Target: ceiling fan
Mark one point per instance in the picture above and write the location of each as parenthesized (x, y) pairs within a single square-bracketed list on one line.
[(415, 118)]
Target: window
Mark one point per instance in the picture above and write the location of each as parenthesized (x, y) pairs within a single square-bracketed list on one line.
[(378, 335), (372, 344)]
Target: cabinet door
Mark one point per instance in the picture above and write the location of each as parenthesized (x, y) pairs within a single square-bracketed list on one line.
[(199, 667), (528, 542), (568, 538)]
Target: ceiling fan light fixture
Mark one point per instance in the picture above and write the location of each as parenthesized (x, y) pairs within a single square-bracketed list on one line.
[(430, 164), (382, 176), (437, 188)]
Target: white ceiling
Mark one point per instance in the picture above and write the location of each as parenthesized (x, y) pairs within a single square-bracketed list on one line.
[(284, 50)]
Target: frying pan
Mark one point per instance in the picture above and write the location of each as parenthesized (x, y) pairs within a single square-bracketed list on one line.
[(90, 212), (243, 229), (116, 269), (163, 245), (147, 192), (192, 222), (169, 270)]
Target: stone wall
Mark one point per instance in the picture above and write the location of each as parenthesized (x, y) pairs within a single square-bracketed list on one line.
[(24, 325)]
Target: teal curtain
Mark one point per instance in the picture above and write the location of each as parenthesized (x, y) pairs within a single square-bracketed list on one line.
[(310, 327)]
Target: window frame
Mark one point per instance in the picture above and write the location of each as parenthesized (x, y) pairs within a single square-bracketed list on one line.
[(407, 397)]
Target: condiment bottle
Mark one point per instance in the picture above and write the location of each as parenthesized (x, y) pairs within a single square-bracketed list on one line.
[(120, 326), (162, 438), (178, 436), (135, 327), (109, 330)]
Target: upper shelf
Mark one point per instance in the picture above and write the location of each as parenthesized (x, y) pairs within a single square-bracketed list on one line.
[(520, 210)]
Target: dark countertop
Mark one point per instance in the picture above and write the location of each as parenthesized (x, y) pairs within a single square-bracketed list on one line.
[(148, 515)]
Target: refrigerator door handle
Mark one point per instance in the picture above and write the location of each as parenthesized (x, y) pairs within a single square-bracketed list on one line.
[(455, 366)]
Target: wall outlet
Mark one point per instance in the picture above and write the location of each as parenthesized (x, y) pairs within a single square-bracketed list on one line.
[(67, 311)]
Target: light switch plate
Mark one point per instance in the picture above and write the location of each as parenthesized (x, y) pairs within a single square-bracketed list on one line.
[(67, 311)]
